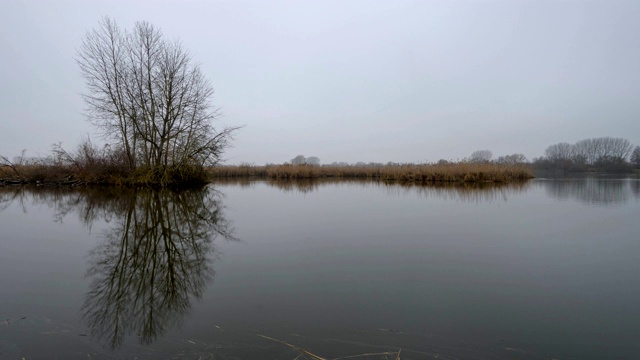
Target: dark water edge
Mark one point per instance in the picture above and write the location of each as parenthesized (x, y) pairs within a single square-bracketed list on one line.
[(538, 270)]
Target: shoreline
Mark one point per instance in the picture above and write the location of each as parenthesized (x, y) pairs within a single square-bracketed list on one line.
[(451, 173), (408, 173)]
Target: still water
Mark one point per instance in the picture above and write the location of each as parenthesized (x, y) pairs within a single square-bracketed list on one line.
[(549, 269)]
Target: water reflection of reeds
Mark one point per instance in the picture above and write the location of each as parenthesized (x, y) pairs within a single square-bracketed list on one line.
[(311, 185), (294, 185), (467, 192)]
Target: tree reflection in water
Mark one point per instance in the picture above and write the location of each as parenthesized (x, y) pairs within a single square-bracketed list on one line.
[(156, 256), (594, 190), (154, 259)]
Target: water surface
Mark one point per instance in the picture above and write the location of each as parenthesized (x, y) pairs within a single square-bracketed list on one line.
[(541, 270)]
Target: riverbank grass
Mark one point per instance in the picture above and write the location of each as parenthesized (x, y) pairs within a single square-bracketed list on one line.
[(406, 173), (102, 174), (110, 174)]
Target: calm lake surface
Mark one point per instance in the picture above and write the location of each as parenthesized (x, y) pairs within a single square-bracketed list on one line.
[(549, 269)]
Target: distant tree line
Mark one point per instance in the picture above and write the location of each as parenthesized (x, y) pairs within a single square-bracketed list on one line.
[(603, 153), (594, 154), (477, 157), (486, 156)]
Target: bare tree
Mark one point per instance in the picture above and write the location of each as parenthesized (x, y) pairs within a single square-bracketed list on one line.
[(603, 150), (147, 95), (301, 160), (480, 156), (587, 150), (298, 160), (617, 148), (512, 159), (312, 160), (560, 152)]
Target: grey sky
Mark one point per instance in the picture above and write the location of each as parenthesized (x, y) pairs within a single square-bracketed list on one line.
[(403, 81)]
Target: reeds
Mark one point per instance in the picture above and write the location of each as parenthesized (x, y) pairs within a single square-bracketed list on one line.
[(410, 173), (101, 174), (90, 165), (116, 174), (67, 175)]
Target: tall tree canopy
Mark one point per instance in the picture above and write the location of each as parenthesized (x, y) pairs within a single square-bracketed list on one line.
[(145, 93)]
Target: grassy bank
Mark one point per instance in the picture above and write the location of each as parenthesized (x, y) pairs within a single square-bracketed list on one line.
[(419, 174)]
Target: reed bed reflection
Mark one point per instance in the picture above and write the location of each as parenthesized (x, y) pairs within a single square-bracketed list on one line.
[(467, 192)]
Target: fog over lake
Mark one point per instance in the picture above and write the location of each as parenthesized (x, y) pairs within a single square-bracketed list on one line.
[(448, 189), (543, 269), (375, 80)]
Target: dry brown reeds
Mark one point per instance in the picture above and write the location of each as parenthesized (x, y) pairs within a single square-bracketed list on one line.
[(410, 173), (111, 172), (238, 171), (85, 168), (59, 174)]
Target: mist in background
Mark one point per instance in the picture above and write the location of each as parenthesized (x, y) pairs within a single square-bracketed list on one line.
[(401, 81)]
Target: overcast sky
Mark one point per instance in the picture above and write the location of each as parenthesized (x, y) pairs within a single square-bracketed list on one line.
[(403, 81)]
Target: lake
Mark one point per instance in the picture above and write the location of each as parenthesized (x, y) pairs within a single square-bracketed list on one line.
[(547, 269)]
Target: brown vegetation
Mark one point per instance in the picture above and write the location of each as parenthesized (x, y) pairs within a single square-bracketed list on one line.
[(82, 168), (98, 174), (409, 173), (90, 165)]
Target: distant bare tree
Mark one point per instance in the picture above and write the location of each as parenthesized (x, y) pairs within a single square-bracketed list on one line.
[(617, 148), (512, 159), (312, 160), (560, 152), (145, 93), (587, 150), (298, 160), (603, 149), (301, 160), (480, 156)]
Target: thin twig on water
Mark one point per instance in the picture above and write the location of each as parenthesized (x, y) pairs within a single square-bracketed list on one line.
[(306, 352)]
